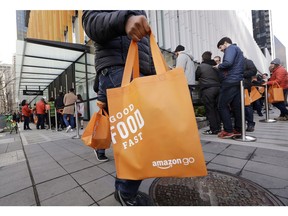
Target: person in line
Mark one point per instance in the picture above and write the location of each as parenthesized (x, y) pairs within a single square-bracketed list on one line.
[(59, 108), (249, 72), (231, 73), (80, 111), (209, 89), (41, 113), (68, 111), (26, 114), (185, 60), (279, 75), (257, 105), (112, 32), (51, 104)]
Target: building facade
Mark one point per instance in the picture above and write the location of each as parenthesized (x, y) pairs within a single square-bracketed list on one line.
[(198, 31)]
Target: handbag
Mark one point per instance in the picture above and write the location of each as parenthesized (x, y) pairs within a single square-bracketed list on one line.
[(275, 93), (97, 132), (254, 94), (152, 121), (247, 99)]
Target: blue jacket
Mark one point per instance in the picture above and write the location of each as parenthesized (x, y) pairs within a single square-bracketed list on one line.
[(232, 67)]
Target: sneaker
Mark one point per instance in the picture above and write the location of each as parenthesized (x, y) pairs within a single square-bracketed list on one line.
[(225, 135), (141, 199), (100, 156), (236, 132), (68, 129), (250, 129)]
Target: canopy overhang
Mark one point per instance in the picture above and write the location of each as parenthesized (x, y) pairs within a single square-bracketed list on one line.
[(40, 62)]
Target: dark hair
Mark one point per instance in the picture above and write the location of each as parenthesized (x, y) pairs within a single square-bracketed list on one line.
[(206, 55), (223, 40), (51, 99), (23, 102), (79, 97), (71, 90), (60, 93)]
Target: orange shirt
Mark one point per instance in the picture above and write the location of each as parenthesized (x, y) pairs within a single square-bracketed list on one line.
[(25, 110), (40, 107)]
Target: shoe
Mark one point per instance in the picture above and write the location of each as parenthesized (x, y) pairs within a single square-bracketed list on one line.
[(210, 132), (81, 128), (250, 129), (71, 130), (260, 114), (141, 199), (68, 129), (100, 156), (236, 133), (225, 135), (28, 129)]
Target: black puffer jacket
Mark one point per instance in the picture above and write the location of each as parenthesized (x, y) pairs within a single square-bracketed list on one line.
[(107, 30)]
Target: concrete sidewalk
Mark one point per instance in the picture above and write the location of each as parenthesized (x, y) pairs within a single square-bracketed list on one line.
[(48, 168)]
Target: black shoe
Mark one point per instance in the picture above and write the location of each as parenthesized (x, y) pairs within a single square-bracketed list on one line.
[(100, 156), (210, 132), (141, 199), (250, 129)]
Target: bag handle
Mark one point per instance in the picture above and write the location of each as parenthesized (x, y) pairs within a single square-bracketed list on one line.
[(132, 61), (275, 82)]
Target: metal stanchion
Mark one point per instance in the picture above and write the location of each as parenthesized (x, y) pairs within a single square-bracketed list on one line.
[(267, 120), (243, 136), (49, 120), (56, 120), (77, 123)]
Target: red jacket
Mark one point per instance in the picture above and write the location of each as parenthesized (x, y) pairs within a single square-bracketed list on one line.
[(40, 107), (26, 111), (279, 75)]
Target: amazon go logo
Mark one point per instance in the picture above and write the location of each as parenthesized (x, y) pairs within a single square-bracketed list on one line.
[(127, 124), (166, 164)]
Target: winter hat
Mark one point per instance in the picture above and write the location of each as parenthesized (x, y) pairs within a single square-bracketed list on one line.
[(276, 61), (179, 48)]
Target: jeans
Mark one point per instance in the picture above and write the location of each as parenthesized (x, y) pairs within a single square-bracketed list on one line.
[(249, 116), (111, 78), (230, 101), (71, 119)]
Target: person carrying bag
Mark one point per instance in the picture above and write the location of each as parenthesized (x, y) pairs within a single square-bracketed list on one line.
[(152, 122)]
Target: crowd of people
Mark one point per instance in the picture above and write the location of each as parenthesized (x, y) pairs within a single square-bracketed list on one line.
[(44, 113)]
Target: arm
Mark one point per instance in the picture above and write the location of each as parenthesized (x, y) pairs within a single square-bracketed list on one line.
[(102, 26), (228, 59)]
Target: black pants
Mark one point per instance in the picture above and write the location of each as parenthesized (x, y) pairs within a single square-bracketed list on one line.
[(41, 121), (26, 122), (210, 99)]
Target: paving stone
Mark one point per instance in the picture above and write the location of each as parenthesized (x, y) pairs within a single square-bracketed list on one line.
[(241, 148), (267, 169), (278, 161), (22, 198), (74, 197), (109, 201), (87, 175), (56, 186), (100, 188), (214, 148), (108, 166), (76, 166), (48, 174), (229, 161), (237, 154), (223, 168), (14, 185), (209, 156), (271, 152)]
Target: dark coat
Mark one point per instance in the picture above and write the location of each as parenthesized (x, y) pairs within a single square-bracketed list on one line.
[(207, 75), (107, 30), (249, 71)]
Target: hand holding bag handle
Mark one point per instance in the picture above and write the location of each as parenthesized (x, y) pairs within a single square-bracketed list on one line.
[(133, 61)]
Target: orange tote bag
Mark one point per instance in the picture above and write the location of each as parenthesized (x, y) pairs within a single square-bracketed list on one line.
[(254, 94), (97, 132), (275, 93), (152, 121), (247, 99)]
